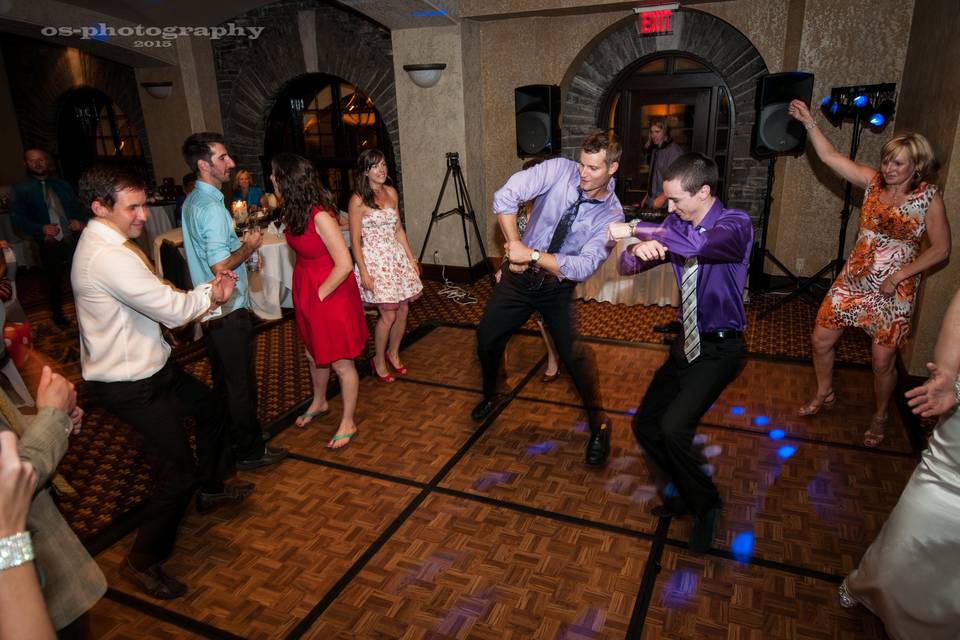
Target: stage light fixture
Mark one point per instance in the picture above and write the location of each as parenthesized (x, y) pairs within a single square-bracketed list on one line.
[(861, 101), (825, 101)]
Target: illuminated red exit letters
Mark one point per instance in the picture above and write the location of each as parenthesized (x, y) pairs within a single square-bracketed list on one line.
[(655, 22)]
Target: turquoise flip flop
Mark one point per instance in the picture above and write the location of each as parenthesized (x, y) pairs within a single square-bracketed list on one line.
[(347, 436), (310, 415)]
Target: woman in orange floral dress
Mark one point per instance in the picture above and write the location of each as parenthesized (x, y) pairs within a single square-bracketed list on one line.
[(878, 285)]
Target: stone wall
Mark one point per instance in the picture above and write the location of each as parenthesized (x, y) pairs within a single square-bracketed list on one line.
[(252, 73), (40, 73), (721, 47)]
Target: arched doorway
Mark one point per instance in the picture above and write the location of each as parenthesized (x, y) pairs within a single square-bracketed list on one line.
[(692, 99), (329, 121), (92, 129)]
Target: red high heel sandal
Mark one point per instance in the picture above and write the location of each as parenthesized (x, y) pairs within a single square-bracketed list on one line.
[(373, 368)]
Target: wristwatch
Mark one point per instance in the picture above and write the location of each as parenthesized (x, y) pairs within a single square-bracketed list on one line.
[(534, 257)]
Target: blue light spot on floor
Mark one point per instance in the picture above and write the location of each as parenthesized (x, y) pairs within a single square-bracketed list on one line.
[(670, 491), (737, 411), (742, 546), (777, 434), (541, 447), (631, 411), (786, 451), (582, 427), (679, 588), (761, 421)]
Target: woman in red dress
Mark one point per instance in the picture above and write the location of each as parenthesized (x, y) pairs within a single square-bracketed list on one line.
[(877, 287), (326, 299)]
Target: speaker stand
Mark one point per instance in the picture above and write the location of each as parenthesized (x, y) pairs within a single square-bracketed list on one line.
[(760, 281)]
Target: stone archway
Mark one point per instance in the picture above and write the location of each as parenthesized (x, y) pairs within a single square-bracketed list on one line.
[(721, 46), (252, 74)]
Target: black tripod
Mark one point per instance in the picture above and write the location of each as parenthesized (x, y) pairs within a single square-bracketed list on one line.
[(834, 266), (759, 281), (464, 209)]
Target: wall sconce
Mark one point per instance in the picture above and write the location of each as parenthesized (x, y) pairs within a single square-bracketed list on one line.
[(158, 90), (424, 75)]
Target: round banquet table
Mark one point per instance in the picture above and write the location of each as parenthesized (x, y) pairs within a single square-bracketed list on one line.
[(655, 286)]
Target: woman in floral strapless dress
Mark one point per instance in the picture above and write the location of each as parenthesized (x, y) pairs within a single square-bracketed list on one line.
[(878, 285), (387, 272)]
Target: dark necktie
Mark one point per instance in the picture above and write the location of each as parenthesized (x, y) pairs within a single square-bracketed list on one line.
[(566, 221)]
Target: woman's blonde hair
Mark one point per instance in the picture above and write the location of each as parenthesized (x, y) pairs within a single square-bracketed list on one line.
[(921, 153), (238, 175)]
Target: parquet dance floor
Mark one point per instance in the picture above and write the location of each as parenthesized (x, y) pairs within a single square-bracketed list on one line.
[(430, 526)]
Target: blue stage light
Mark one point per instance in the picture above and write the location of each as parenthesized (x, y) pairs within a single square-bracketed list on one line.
[(861, 102), (834, 107), (786, 451), (877, 120), (826, 100), (761, 421), (742, 546), (777, 434)]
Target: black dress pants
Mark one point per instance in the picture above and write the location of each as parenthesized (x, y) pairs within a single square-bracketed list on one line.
[(155, 408), (229, 342), (678, 396), (55, 258), (513, 300)]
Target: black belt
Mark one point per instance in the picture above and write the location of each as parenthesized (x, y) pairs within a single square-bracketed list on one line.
[(720, 336)]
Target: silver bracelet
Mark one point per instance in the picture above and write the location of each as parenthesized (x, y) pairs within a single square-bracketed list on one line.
[(809, 125), (15, 550), (956, 389)]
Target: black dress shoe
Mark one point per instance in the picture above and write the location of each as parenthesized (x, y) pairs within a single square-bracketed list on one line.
[(233, 494), (671, 508), (485, 407), (670, 327), (154, 581), (701, 537), (598, 446), (270, 456)]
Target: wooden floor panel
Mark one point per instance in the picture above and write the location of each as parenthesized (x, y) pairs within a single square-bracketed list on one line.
[(111, 620), (808, 505), (257, 569), (448, 355), (405, 429), (701, 597), (459, 569), (533, 454)]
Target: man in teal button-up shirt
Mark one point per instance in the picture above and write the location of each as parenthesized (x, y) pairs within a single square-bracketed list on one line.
[(212, 246)]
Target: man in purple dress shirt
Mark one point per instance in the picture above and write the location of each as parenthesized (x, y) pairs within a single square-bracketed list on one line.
[(709, 247), (565, 241)]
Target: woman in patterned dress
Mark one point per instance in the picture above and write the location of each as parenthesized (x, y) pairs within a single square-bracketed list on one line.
[(387, 272), (878, 285)]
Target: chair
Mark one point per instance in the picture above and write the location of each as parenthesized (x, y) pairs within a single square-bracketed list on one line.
[(175, 268)]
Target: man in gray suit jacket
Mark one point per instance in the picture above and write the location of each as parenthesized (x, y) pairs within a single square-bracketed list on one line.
[(71, 581)]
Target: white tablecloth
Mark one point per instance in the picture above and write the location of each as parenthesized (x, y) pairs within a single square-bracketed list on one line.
[(270, 289), (159, 222), (656, 286)]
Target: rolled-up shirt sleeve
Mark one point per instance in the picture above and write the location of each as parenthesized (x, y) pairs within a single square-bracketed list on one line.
[(526, 185)]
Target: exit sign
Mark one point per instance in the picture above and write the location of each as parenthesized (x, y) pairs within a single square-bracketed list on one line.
[(654, 21)]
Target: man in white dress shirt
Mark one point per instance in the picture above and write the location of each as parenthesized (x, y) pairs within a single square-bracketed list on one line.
[(126, 363)]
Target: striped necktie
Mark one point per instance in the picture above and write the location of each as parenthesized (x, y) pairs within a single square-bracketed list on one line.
[(688, 293)]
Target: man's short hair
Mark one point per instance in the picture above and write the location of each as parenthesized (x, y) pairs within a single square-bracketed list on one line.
[(601, 140), (693, 170), (101, 183), (197, 147), (659, 122)]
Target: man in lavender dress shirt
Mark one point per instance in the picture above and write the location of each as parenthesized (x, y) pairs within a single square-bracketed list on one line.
[(565, 242), (710, 244)]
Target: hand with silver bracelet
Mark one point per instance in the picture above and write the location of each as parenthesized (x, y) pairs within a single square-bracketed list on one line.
[(18, 481)]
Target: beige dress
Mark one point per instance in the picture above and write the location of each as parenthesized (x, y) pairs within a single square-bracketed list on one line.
[(910, 575)]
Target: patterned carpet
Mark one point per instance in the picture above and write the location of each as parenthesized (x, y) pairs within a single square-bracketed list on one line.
[(108, 470)]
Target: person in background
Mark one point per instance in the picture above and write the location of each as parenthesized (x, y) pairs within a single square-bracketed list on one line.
[(877, 287), (709, 247), (245, 191), (387, 271), (212, 246), (72, 581), (663, 151), (326, 299), (189, 182), (907, 577), (46, 208)]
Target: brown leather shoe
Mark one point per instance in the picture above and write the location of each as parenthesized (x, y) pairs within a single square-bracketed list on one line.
[(154, 581), (233, 494)]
